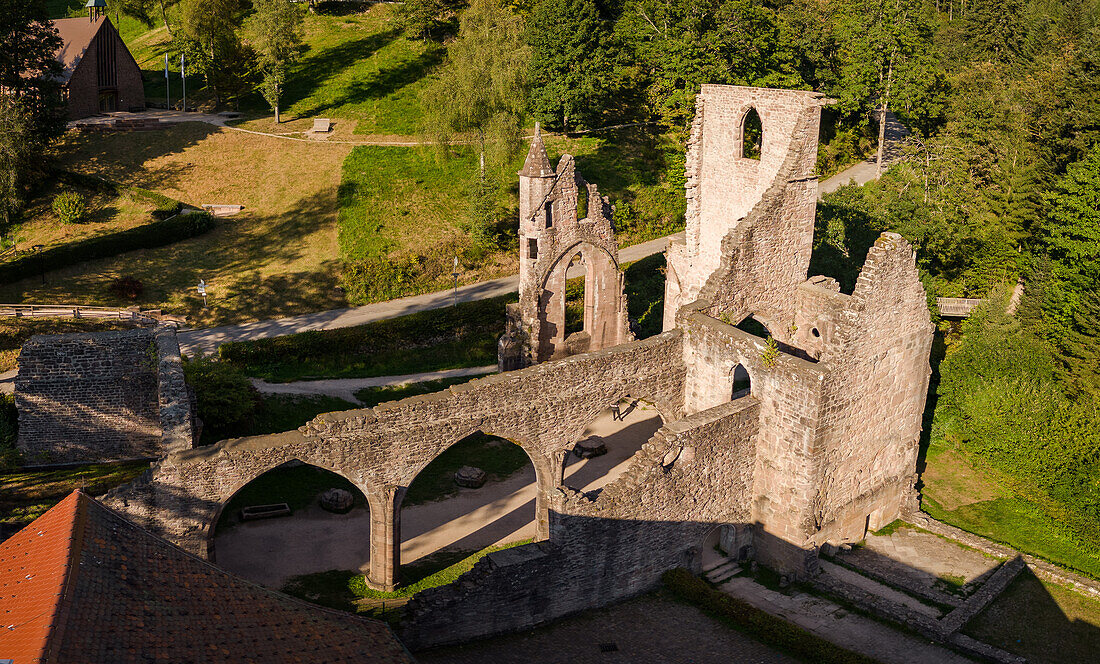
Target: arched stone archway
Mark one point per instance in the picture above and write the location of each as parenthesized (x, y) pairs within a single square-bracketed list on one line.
[(603, 305)]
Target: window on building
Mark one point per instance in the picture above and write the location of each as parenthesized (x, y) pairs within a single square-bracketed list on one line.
[(532, 248), (549, 208)]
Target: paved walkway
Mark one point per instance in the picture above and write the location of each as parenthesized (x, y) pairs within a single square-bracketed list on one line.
[(193, 342), (848, 630), (867, 170), (345, 388)]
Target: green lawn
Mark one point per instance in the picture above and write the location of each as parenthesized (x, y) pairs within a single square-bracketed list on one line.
[(27, 494), (339, 589), (1041, 621), (498, 457), (446, 338), (372, 396)]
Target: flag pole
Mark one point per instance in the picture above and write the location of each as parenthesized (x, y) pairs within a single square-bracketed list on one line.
[(167, 85), (183, 79)]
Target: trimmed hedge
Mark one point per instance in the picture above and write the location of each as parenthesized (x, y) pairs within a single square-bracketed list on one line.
[(761, 625), (154, 234)]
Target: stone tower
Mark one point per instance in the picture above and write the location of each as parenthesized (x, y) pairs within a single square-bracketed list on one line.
[(565, 232)]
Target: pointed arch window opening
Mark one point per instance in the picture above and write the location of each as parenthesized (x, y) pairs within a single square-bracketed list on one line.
[(752, 136)]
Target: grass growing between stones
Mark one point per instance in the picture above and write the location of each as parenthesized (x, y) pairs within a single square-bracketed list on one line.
[(447, 338), (498, 457), (26, 494), (339, 589), (1043, 622)]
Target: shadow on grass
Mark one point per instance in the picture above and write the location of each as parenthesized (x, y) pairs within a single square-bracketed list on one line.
[(321, 65)]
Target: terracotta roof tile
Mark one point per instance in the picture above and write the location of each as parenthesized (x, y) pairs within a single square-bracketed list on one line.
[(102, 589)]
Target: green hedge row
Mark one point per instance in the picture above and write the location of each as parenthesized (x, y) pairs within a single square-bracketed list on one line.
[(165, 206), (148, 236), (761, 625), (420, 329)]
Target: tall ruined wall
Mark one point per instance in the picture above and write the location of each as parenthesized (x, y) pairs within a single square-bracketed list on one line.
[(876, 388), (752, 218), (88, 397), (690, 477), (102, 396)]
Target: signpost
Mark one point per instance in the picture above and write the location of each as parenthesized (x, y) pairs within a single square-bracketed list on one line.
[(202, 292), (455, 275), (167, 86)]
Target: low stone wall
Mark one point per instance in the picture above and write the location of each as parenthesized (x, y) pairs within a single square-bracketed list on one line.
[(105, 396)]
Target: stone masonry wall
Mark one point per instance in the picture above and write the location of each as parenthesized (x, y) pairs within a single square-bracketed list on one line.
[(876, 387), (88, 397), (543, 408), (104, 396), (692, 476)]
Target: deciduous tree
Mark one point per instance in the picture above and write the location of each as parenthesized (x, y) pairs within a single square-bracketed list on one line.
[(276, 33)]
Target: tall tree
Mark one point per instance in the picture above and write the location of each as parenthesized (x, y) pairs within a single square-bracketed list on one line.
[(213, 46), (276, 29), (569, 62), (887, 58), (14, 151), (482, 87), (29, 70)]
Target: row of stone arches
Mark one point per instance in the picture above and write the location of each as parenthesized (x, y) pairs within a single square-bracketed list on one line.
[(386, 536)]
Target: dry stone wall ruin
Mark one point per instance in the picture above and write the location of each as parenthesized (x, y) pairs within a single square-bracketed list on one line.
[(821, 448), (104, 396)]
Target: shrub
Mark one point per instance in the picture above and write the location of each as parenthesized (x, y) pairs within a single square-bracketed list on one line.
[(377, 278), (128, 287), (70, 207), (165, 207), (155, 234), (772, 630), (226, 402)]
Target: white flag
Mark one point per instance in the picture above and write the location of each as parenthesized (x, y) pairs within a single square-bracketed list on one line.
[(165, 65), (181, 66)]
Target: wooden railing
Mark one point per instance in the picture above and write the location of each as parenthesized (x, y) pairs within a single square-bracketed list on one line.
[(134, 314), (957, 307)]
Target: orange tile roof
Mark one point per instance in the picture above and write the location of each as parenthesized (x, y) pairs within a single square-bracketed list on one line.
[(82, 584)]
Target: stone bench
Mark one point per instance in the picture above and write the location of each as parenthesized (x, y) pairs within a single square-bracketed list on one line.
[(321, 125), (253, 512)]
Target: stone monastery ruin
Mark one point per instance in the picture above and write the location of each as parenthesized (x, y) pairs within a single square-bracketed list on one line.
[(821, 448)]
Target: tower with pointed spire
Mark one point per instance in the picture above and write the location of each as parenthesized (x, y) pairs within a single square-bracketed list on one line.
[(563, 221), (536, 209)]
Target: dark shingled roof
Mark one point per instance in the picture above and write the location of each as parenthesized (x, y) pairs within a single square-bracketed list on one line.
[(82, 584), (76, 37)]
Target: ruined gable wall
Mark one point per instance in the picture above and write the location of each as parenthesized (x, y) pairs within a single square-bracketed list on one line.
[(691, 476), (791, 407), (876, 389), (88, 397), (749, 221)]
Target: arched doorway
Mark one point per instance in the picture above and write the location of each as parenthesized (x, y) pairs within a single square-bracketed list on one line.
[(607, 444), (446, 518), (308, 539), (742, 383), (581, 304)]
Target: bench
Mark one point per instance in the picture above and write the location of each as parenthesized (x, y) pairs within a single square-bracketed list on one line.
[(264, 511), (322, 125)]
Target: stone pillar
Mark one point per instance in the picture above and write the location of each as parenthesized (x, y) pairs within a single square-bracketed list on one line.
[(385, 538)]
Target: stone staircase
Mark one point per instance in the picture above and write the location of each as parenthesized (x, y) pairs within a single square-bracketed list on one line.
[(721, 570)]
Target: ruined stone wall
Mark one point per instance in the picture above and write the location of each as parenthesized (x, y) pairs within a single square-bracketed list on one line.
[(552, 230), (690, 477), (754, 217), (103, 396), (876, 387), (88, 397), (543, 408)]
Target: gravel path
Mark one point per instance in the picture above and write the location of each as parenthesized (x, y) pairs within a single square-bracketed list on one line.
[(345, 388)]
